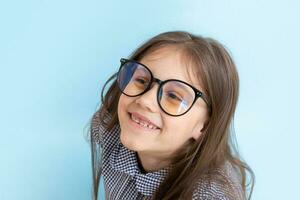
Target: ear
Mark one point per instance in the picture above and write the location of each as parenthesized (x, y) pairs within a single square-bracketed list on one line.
[(197, 131)]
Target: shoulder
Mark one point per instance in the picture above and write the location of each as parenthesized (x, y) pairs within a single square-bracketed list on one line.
[(226, 185)]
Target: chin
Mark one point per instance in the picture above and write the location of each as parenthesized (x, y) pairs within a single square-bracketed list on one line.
[(130, 144)]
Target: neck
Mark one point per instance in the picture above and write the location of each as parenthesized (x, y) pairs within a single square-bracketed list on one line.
[(150, 163)]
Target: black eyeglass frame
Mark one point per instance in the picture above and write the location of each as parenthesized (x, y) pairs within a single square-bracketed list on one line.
[(198, 93)]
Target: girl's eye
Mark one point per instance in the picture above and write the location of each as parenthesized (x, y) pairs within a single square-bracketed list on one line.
[(141, 81), (173, 96)]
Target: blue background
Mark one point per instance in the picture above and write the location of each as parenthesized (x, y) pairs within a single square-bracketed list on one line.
[(56, 55)]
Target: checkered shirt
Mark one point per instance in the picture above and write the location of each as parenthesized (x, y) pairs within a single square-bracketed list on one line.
[(123, 179)]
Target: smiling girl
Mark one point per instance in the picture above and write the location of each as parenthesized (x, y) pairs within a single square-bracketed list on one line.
[(164, 130)]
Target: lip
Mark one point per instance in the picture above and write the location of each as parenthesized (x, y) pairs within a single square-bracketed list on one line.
[(144, 119)]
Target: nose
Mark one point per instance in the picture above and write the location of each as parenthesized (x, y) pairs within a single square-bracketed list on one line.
[(148, 100)]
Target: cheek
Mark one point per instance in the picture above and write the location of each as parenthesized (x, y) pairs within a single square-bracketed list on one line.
[(174, 136), (177, 130), (122, 104)]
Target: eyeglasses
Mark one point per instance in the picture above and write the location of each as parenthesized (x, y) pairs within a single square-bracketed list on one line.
[(174, 97)]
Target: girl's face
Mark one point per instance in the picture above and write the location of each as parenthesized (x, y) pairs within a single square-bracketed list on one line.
[(170, 132)]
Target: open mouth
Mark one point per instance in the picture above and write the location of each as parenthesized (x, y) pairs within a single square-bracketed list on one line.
[(141, 123)]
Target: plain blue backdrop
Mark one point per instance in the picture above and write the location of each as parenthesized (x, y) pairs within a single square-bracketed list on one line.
[(56, 55)]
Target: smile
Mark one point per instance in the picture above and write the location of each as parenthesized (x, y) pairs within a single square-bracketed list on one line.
[(142, 123)]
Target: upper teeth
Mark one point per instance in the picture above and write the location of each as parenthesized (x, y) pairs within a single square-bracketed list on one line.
[(143, 123)]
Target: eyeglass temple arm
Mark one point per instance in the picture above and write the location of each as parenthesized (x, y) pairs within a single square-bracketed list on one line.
[(200, 94)]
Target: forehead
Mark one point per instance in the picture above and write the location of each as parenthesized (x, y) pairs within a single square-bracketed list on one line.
[(169, 63)]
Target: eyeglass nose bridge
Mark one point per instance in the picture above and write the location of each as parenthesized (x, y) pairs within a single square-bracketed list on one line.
[(158, 81), (155, 80)]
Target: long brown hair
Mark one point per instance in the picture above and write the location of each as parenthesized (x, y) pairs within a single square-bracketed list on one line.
[(217, 73)]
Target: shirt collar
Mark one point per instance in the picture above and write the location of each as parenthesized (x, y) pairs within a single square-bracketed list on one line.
[(125, 160)]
